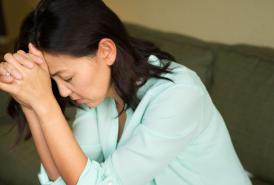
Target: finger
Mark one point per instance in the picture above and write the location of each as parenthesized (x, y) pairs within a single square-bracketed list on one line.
[(4, 74), (22, 59), (34, 50), (6, 78), (41, 60), (6, 87), (3, 71), (34, 58), (44, 66), (13, 66), (13, 71)]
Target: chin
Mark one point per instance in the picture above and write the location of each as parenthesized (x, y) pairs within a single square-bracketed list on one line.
[(94, 104), (90, 104)]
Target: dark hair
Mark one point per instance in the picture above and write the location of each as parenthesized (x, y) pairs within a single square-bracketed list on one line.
[(75, 27)]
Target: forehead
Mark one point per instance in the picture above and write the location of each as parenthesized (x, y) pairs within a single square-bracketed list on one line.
[(58, 63), (57, 59)]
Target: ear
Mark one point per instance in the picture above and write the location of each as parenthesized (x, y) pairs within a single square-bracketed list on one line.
[(107, 51)]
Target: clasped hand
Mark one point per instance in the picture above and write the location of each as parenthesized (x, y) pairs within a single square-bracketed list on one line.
[(25, 76)]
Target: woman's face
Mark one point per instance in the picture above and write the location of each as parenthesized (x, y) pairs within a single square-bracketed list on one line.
[(87, 78)]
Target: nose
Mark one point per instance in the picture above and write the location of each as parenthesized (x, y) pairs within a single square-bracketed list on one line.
[(63, 90)]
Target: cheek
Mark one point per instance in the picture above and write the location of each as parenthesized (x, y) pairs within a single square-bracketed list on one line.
[(94, 87), (99, 87)]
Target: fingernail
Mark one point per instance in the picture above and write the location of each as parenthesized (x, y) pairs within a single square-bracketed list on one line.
[(30, 64), (39, 61), (18, 76)]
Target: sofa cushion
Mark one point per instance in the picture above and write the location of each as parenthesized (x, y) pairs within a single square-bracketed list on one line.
[(259, 182), (193, 53), (20, 164), (4, 98), (2, 183), (243, 91)]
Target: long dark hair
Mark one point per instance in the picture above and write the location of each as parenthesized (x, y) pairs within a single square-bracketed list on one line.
[(75, 27)]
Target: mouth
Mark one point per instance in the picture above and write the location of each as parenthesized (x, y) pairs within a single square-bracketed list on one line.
[(79, 101)]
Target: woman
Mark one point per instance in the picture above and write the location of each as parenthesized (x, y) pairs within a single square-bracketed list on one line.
[(141, 117)]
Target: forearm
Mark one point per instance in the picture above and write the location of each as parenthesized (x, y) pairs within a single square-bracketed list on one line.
[(66, 152), (40, 144)]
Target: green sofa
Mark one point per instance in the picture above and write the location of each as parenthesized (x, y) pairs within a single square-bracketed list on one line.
[(239, 78)]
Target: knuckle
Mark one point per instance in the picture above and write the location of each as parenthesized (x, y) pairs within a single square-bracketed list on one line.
[(12, 70), (7, 56), (21, 51), (5, 65), (39, 60), (20, 55), (1, 67), (21, 59), (8, 67), (16, 55), (35, 58), (27, 58)]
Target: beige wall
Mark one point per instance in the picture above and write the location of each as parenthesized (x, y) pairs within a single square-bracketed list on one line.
[(15, 11), (228, 21)]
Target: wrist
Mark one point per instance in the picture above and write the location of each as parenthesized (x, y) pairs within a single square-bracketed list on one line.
[(30, 116), (26, 110), (44, 107), (49, 112)]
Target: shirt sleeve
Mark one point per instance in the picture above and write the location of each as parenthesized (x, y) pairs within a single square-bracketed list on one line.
[(86, 133), (85, 130), (171, 120)]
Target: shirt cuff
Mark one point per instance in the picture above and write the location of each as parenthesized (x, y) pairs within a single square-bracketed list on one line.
[(94, 173), (44, 179), (98, 173)]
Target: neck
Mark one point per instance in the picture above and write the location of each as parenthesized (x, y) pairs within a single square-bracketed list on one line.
[(118, 100)]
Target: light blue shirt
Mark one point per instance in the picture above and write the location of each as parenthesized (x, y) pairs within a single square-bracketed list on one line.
[(175, 136)]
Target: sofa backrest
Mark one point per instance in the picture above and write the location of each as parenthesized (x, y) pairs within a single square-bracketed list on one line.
[(193, 53), (240, 80), (4, 97), (243, 91)]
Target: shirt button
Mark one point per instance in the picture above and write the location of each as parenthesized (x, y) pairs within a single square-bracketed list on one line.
[(109, 183)]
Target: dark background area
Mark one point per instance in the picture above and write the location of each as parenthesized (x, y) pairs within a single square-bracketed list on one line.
[(2, 22)]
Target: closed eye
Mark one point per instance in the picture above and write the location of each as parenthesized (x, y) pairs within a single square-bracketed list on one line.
[(68, 80)]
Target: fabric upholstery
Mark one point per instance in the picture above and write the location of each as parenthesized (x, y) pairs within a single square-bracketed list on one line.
[(243, 90), (191, 52)]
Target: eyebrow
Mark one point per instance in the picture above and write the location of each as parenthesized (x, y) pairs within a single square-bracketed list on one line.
[(57, 72)]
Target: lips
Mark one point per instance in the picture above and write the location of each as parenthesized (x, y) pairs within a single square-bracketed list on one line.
[(79, 101)]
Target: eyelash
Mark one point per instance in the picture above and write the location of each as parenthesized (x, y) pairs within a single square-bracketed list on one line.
[(68, 80)]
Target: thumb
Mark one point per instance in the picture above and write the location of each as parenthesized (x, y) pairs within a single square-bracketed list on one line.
[(44, 66), (33, 50), (6, 87)]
